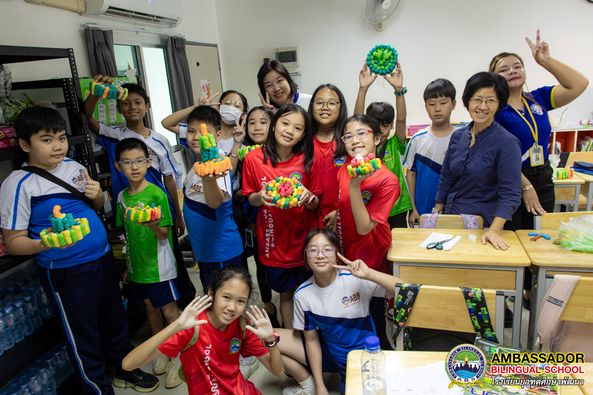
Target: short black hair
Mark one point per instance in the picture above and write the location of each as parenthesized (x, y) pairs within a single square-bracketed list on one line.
[(129, 144), (440, 87), (230, 273), (484, 79), (382, 112), (33, 120), (241, 96), (135, 88), (205, 114), (274, 65), (343, 107)]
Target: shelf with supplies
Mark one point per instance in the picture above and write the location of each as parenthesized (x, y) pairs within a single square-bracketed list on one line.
[(570, 139)]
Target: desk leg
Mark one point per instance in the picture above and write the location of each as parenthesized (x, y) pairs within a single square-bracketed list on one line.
[(590, 197), (518, 309), (577, 190), (538, 291)]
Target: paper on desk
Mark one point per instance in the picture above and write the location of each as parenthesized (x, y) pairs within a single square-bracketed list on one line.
[(436, 237), (426, 379)]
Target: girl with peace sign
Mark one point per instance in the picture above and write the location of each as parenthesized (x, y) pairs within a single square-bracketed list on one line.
[(277, 88), (332, 310), (526, 117)]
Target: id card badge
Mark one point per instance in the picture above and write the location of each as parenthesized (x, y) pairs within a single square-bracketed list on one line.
[(536, 155), (249, 238)]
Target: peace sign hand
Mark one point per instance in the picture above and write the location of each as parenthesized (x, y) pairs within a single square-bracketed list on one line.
[(540, 49), (266, 102), (207, 100), (358, 268), (239, 130)]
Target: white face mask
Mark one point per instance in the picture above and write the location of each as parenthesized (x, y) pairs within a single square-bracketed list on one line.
[(229, 114)]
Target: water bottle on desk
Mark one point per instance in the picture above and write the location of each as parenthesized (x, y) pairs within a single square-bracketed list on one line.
[(9, 330), (373, 368)]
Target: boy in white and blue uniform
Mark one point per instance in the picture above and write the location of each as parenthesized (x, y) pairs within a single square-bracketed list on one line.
[(80, 279)]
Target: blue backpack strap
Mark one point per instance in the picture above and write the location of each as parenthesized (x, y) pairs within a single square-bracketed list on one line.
[(478, 313)]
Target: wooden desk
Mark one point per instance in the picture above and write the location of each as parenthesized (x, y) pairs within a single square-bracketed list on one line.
[(548, 259), (403, 360), (589, 180), (573, 199), (468, 264)]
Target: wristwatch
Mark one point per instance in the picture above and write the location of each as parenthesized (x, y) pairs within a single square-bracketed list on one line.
[(274, 342)]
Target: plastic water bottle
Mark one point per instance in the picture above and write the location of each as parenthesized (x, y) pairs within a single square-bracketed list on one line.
[(3, 333), (373, 368), (19, 320), (10, 329)]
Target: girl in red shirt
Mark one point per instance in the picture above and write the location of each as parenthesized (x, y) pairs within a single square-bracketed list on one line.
[(281, 232), (210, 358)]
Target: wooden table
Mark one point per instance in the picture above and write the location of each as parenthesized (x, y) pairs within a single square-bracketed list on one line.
[(548, 259), (573, 182), (404, 360), (468, 264), (589, 180)]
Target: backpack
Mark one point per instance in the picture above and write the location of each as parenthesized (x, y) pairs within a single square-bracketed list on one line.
[(557, 335)]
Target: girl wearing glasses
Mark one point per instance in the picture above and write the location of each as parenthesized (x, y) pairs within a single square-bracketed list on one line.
[(280, 232), (481, 173), (526, 117), (327, 111), (332, 310), (277, 88)]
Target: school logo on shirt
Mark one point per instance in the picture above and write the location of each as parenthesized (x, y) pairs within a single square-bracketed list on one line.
[(366, 197), (339, 161), (79, 180), (297, 175), (195, 188), (235, 345), (351, 300), (537, 109)]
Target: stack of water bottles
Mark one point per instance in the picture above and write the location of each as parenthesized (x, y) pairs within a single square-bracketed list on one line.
[(44, 376), (23, 307)]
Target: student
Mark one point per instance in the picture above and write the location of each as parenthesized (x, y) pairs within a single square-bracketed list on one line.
[(164, 168), (151, 271), (427, 148), (526, 117), (81, 280), (481, 174), (277, 88), (328, 111), (213, 233), (289, 153), (208, 337), (332, 310), (391, 149)]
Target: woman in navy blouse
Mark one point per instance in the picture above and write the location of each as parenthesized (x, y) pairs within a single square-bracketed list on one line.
[(481, 174)]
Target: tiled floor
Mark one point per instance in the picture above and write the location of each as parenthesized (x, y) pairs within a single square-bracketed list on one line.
[(264, 380)]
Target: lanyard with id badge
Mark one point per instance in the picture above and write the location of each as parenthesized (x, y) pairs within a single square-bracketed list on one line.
[(536, 151)]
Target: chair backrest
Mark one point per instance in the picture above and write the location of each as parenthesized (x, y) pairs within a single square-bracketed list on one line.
[(579, 157), (444, 308), (553, 220), (452, 221), (579, 307)]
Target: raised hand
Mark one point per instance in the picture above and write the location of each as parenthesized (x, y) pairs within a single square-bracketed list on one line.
[(239, 130), (266, 102), (92, 189), (365, 77), (189, 316), (259, 323), (396, 78), (357, 267), (208, 100), (330, 220), (540, 49), (103, 79)]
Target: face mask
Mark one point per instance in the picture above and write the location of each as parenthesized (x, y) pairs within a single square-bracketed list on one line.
[(229, 114)]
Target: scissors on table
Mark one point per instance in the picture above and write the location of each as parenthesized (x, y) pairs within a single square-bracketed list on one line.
[(438, 245), (537, 235)]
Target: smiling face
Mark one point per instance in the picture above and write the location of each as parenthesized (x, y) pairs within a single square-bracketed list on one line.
[(228, 303), (326, 107), (483, 106), (289, 129), (321, 254), (359, 139), (46, 149), (511, 68), (277, 88), (134, 164), (257, 126), (133, 108)]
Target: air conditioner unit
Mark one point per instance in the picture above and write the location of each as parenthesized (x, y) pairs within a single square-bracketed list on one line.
[(164, 13)]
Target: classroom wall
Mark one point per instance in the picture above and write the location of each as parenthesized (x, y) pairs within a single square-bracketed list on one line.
[(34, 25), (435, 38)]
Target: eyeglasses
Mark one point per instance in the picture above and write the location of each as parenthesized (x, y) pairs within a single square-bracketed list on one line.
[(126, 164), (490, 102), (234, 103), (331, 104), (359, 134), (326, 251)]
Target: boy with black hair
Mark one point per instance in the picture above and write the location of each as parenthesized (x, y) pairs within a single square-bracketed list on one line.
[(427, 148), (80, 279)]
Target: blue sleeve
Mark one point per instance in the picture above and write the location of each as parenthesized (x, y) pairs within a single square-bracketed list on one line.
[(446, 177), (544, 97), (508, 179)]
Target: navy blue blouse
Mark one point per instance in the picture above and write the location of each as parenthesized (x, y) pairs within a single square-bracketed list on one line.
[(482, 180)]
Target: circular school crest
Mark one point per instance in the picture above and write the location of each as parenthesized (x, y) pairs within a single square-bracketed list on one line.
[(536, 108), (465, 363), (235, 345), (296, 175), (366, 196)]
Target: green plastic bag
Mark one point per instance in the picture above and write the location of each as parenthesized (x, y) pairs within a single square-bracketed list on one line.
[(577, 234)]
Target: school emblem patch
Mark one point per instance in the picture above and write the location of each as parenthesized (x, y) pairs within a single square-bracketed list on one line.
[(366, 197), (536, 108), (296, 175), (235, 345)]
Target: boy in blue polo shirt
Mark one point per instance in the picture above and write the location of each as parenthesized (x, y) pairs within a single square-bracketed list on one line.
[(80, 279)]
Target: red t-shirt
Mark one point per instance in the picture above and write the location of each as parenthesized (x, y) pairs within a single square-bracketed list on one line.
[(327, 177), (379, 191), (280, 233), (211, 366)]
